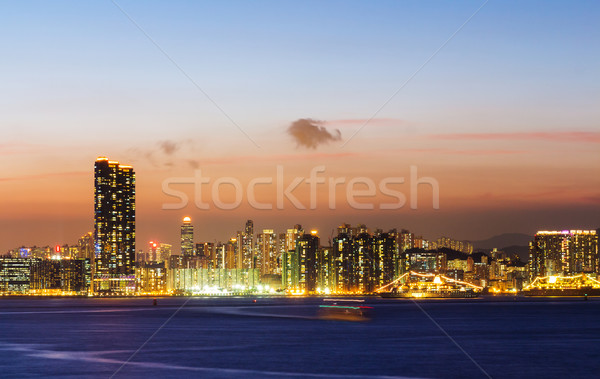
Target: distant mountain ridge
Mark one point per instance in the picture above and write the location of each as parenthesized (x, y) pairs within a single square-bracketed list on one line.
[(503, 240)]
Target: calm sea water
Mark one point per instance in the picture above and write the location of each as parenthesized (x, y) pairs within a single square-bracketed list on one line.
[(282, 338)]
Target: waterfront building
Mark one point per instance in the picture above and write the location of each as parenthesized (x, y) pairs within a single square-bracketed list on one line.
[(15, 274), (566, 252), (212, 281), (151, 277), (45, 275)]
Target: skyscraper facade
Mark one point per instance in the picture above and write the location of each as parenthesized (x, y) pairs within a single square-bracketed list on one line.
[(114, 223), (187, 237)]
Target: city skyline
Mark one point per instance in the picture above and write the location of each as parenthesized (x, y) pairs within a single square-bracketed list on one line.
[(503, 116), (336, 188)]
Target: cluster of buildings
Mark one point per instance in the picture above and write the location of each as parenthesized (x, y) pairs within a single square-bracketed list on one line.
[(355, 260), (564, 253)]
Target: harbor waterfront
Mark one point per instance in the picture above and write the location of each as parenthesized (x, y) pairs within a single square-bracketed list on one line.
[(509, 337)]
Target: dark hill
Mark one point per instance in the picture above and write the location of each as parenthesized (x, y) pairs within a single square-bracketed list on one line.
[(503, 240)]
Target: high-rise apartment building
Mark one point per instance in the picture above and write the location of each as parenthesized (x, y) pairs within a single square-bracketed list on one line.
[(344, 261), (291, 236), (85, 245), (157, 252), (325, 273), (306, 253), (245, 241), (367, 263), (266, 246), (563, 252), (114, 224), (385, 253), (231, 254)]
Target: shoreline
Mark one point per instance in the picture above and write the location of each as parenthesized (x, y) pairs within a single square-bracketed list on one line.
[(482, 298)]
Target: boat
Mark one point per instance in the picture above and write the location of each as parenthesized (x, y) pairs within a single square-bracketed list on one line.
[(345, 312)]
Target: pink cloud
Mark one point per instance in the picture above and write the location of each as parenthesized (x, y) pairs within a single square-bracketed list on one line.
[(484, 152), (574, 136), (362, 121)]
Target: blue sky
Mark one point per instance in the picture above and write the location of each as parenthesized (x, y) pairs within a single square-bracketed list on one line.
[(267, 63)]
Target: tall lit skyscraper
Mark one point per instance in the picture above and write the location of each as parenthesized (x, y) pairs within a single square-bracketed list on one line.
[(187, 237), (114, 224)]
